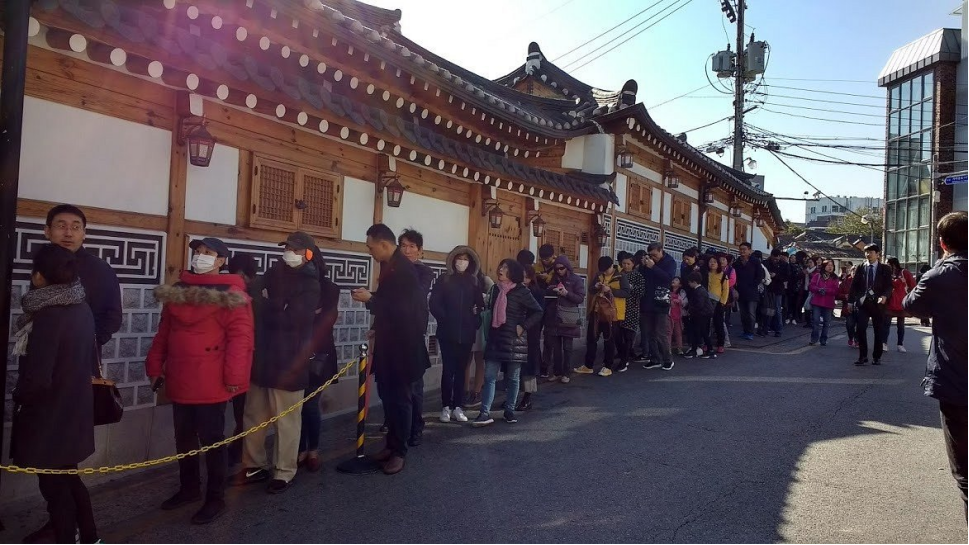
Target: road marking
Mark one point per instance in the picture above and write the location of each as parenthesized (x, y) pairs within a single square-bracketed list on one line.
[(784, 380)]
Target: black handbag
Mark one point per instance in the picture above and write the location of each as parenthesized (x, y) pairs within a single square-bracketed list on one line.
[(108, 407)]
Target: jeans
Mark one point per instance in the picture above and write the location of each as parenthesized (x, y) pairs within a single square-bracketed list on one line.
[(513, 373), (561, 355), (778, 319), (954, 434), (398, 400), (877, 318), (820, 318), (900, 329), (595, 330), (69, 507), (195, 426), (748, 315), (454, 359), (656, 336), (851, 325)]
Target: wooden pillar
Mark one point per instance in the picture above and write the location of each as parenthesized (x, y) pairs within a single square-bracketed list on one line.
[(176, 248)]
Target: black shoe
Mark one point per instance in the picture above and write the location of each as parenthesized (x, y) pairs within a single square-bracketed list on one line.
[(689, 355), (524, 405), (876, 361), (668, 366), (623, 367), (278, 486), (212, 510), (761, 334), (861, 361), (652, 364), (182, 497), (416, 439), (44, 534), (384, 428), (510, 417), (777, 333), (250, 475)]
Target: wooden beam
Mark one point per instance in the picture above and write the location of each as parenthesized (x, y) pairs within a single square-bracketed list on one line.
[(272, 236), (176, 247), (100, 216)]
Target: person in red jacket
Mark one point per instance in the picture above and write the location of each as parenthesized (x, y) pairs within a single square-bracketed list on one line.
[(903, 281), (203, 354), (844, 290)]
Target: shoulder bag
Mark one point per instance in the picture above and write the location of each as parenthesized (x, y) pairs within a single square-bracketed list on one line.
[(108, 407)]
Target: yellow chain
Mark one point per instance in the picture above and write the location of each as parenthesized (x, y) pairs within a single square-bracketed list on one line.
[(175, 457)]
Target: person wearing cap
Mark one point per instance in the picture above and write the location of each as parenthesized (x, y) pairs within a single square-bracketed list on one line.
[(281, 372), (202, 354), (871, 289)]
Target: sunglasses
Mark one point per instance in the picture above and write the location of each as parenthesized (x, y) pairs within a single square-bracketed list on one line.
[(560, 268)]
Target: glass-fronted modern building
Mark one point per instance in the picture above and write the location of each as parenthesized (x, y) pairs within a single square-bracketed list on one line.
[(920, 128)]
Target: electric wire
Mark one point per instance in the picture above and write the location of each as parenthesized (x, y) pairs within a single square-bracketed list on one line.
[(587, 42)]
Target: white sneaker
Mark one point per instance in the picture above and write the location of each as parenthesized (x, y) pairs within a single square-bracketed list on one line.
[(446, 415), (566, 380), (884, 347), (902, 349), (458, 415), (605, 372)]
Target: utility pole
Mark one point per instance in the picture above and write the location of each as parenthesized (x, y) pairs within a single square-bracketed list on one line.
[(738, 104)]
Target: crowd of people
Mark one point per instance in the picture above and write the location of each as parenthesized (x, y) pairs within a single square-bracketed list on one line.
[(263, 342)]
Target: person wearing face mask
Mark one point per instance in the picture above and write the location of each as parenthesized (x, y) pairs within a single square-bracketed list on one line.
[(203, 355), (281, 373), (456, 303)]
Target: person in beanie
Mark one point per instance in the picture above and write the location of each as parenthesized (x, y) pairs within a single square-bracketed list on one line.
[(609, 285), (203, 355), (53, 416), (281, 372), (941, 295)]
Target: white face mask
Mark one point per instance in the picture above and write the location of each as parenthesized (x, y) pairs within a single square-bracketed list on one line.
[(202, 263), (461, 265), (292, 259)]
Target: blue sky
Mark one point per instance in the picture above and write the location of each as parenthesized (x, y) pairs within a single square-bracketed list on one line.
[(811, 41)]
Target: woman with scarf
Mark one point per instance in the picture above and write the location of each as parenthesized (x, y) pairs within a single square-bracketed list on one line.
[(53, 420), (513, 312)]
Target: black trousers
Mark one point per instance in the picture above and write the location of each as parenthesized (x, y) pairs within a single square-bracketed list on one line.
[(195, 426), (238, 410), (595, 330), (69, 506), (876, 315), (454, 364), (701, 332), (954, 423), (624, 342), (718, 324), (398, 400), (417, 404)]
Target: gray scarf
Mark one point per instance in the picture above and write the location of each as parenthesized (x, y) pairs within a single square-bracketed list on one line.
[(38, 299)]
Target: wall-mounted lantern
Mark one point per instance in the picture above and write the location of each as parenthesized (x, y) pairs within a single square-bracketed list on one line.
[(602, 236), (625, 157), (759, 220), (390, 182), (495, 216), (735, 209), (201, 144), (708, 195), (670, 178), (538, 226)]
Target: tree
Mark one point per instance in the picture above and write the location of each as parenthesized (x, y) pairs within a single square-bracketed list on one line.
[(853, 224), (793, 229)]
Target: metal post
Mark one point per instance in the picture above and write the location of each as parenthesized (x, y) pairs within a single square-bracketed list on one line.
[(360, 464), (16, 15), (738, 104)]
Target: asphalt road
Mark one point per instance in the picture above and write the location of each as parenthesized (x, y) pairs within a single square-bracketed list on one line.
[(775, 441)]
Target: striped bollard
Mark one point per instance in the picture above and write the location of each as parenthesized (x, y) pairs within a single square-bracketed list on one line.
[(360, 464)]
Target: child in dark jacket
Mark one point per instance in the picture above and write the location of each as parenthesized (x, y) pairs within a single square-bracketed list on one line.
[(701, 311)]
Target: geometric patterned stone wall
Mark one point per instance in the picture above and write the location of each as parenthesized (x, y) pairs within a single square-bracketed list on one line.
[(632, 236), (137, 257)]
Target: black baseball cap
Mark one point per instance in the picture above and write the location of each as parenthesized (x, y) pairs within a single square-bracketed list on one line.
[(213, 244), (299, 241), (873, 248)]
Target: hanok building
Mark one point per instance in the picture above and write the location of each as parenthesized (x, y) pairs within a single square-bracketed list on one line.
[(326, 119)]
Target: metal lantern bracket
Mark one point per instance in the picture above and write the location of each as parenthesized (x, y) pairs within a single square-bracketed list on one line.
[(625, 157), (538, 224)]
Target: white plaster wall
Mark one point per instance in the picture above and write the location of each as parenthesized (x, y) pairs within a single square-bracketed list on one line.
[(719, 205), (694, 217), (647, 173), (622, 184), (731, 223), (656, 203), (724, 229), (358, 208), (574, 153), (668, 206), (600, 154), (443, 224), (688, 191), (583, 257), (758, 240), (210, 192), (89, 159)]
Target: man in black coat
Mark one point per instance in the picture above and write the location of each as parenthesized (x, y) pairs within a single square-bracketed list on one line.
[(749, 276), (66, 226), (871, 289), (941, 295), (658, 269), (399, 355), (780, 275)]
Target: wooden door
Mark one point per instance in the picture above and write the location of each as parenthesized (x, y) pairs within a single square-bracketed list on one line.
[(504, 243)]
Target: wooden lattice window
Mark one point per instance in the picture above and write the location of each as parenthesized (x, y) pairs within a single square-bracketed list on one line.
[(680, 214), (640, 200), (714, 224), (565, 241), (289, 197), (740, 233)]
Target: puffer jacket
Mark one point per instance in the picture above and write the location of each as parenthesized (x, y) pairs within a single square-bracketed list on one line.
[(205, 338), (830, 287), (294, 296), (575, 287), (504, 344), (457, 299)]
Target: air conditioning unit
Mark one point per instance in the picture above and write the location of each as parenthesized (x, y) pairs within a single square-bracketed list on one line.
[(756, 58), (724, 63)]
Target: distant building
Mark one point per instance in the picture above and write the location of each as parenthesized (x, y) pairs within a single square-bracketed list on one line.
[(825, 209), (920, 81)]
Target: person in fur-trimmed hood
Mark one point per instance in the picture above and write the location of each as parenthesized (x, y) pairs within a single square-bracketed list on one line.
[(456, 303), (203, 354)]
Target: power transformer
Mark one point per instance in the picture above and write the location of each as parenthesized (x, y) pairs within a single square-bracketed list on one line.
[(756, 58), (724, 63)]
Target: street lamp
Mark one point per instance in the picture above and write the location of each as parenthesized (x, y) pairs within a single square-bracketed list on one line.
[(201, 144), (868, 219)]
